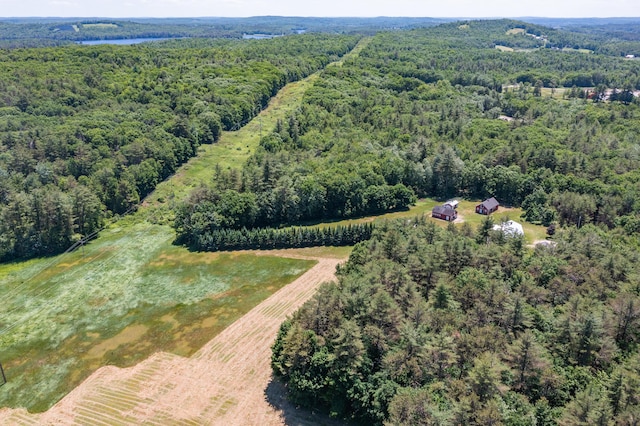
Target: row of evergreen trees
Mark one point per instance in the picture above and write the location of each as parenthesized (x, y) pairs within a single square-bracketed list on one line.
[(273, 238)]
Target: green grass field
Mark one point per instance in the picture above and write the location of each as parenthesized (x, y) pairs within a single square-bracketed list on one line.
[(130, 294), (515, 31), (466, 212), (504, 48)]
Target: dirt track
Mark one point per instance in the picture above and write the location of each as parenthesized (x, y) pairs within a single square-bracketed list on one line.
[(227, 382)]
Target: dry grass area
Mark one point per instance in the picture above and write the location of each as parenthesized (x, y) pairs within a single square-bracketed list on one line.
[(100, 25), (504, 48), (227, 382)]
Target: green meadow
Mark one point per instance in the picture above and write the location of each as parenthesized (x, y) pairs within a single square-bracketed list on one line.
[(122, 298)]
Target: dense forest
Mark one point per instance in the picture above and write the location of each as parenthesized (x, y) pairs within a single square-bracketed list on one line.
[(85, 132), (439, 112), (437, 326)]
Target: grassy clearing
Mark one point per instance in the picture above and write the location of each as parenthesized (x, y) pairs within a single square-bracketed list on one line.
[(131, 294), (230, 152), (100, 26), (556, 93), (515, 31), (570, 49), (504, 48), (466, 212)]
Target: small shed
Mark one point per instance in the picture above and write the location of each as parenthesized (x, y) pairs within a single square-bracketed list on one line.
[(444, 212), (487, 206), (510, 228), (452, 203)]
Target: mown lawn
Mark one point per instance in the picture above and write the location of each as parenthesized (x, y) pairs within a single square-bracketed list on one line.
[(466, 213)]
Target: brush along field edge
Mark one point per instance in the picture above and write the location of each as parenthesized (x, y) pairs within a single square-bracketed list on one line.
[(224, 383)]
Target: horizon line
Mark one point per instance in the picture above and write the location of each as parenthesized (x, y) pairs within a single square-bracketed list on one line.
[(321, 17)]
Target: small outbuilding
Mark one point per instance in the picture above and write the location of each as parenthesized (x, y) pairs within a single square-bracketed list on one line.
[(510, 228), (452, 203), (487, 206), (444, 212)]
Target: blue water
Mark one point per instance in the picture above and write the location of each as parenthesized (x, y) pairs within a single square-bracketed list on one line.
[(122, 42)]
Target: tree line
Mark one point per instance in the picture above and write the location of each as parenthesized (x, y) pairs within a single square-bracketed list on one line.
[(273, 238)]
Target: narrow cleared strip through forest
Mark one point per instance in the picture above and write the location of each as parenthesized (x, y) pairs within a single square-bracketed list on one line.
[(232, 150)]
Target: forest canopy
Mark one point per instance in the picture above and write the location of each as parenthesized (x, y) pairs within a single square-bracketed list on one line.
[(439, 112), (456, 326), (86, 132)]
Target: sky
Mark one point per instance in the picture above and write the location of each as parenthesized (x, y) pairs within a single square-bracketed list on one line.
[(323, 8)]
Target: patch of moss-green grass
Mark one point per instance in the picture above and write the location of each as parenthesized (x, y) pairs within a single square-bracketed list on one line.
[(127, 295)]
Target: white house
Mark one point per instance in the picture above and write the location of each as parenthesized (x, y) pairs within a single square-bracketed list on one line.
[(510, 228)]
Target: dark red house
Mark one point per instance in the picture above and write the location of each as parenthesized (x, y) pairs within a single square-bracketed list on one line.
[(444, 212), (488, 206)]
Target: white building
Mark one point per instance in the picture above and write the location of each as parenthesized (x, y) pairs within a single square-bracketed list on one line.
[(510, 228)]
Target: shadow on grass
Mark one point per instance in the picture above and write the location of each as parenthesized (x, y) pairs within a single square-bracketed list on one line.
[(276, 396)]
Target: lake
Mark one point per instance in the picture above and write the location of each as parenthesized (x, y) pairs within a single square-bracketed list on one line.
[(123, 42)]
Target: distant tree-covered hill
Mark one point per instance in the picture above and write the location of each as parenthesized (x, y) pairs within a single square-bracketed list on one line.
[(18, 32)]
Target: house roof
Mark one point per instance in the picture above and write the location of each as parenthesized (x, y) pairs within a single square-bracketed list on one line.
[(446, 210), (490, 203), (510, 228)]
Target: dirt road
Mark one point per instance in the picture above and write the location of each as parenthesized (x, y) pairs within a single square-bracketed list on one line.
[(227, 382)]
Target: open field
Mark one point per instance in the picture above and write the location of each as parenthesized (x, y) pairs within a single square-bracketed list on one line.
[(515, 31), (556, 93), (569, 49), (504, 48), (100, 26), (466, 214), (227, 382), (129, 295)]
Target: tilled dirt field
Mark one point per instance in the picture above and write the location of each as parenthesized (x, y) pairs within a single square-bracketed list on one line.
[(227, 382)]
